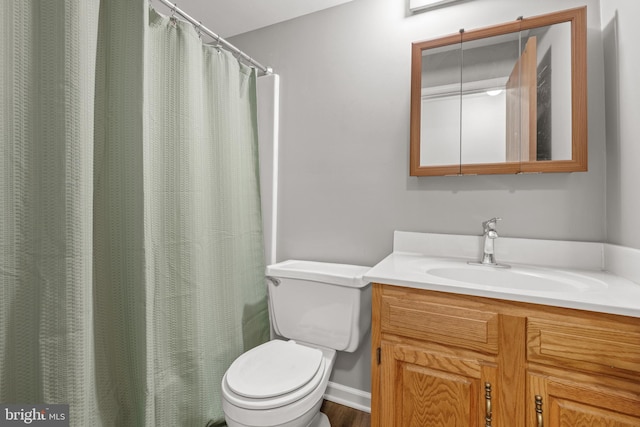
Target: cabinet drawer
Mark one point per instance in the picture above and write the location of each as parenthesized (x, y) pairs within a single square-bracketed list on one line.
[(586, 345), (441, 323)]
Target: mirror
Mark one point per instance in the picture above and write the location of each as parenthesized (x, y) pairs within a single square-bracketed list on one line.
[(501, 100)]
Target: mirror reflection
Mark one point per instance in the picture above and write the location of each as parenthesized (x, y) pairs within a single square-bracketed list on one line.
[(440, 108), (491, 104)]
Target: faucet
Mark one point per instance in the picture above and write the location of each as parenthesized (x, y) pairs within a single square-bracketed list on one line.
[(490, 235)]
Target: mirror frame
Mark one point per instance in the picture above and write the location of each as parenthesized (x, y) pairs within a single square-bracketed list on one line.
[(578, 163)]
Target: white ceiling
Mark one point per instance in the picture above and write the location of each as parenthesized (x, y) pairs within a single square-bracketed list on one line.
[(230, 17)]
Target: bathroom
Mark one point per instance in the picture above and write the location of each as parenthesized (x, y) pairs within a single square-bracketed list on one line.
[(345, 130), (344, 184)]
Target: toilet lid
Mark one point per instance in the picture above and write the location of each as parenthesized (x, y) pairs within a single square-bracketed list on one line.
[(273, 369)]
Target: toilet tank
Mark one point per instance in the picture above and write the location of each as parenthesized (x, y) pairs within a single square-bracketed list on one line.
[(320, 303)]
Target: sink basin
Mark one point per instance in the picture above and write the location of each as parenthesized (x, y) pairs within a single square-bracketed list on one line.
[(525, 278)]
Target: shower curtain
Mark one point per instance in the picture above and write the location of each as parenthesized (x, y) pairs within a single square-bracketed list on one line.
[(131, 254)]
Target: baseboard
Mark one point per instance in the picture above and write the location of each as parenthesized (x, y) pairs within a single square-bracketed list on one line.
[(347, 396)]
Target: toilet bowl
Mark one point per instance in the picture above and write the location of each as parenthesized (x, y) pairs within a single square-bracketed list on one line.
[(284, 386), (320, 308)]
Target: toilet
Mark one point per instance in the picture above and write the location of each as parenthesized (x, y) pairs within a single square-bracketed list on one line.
[(318, 309)]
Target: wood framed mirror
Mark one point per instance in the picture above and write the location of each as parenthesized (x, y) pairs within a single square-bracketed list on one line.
[(506, 99)]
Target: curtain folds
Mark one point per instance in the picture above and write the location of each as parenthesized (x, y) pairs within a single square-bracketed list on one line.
[(131, 253)]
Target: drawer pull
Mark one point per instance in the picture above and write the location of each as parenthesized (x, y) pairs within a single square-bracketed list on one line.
[(487, 400), (539, 418)]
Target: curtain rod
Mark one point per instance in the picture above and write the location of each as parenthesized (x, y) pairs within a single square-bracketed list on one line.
[(219, 40)]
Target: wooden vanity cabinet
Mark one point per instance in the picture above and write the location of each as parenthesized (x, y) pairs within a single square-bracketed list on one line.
[(446, 360), (563, 400), (583, 370), (412, 375)]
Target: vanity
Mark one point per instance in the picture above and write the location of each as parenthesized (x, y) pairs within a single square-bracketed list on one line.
[(552, 341)]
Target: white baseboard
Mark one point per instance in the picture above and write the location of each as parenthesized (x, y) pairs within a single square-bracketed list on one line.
[(347, 396)]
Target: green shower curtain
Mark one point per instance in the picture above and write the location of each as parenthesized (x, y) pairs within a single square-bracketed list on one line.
[(131, 254)]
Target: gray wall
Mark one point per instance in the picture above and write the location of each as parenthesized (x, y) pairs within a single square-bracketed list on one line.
[(622, 62), (344, 141)]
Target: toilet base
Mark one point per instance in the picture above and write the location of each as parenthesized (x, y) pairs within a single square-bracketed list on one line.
[(320, 420), (311, 418)]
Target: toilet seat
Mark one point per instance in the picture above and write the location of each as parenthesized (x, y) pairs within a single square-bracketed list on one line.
[(273, 374)]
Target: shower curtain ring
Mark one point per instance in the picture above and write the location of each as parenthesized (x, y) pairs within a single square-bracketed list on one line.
[(172, 19), (198, 29)]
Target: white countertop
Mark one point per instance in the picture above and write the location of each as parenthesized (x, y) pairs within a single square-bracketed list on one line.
[(603, 291)]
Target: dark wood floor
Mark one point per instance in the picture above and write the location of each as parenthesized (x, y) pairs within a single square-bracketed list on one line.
[(343, 416)]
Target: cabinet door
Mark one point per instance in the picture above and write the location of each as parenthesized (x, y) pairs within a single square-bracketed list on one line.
[(554, 402), (422, 388)]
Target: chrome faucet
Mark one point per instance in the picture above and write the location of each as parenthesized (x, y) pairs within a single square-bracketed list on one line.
[(490, 234)]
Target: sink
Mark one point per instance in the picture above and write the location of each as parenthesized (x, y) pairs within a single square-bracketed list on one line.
[(517, 278)]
